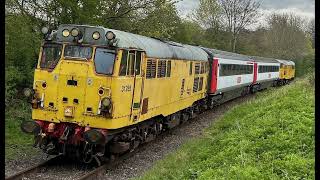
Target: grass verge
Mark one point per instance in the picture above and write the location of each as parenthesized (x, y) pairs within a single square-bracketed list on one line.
[(270, 137), (17, 142)]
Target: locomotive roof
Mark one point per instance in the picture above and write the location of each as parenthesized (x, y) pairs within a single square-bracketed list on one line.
[(224, 54), (154, 47)]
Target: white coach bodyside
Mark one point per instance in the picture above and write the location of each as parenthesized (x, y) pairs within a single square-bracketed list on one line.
[(229, 82)]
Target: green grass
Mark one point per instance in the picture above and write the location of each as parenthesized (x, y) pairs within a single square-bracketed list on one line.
[(17, 142), (269, 137)]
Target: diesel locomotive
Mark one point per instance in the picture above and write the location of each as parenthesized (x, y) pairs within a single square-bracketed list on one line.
[(99, 92)]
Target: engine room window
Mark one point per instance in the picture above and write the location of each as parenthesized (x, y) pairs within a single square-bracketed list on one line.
[(151, 68), (77, 52), (197, 68), (162, 67), (51, 54), (104, 60), (169, 69), (190, 70), (202, 68)]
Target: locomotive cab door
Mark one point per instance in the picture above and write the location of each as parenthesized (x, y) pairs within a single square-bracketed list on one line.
[(137, 86), (130, 83)]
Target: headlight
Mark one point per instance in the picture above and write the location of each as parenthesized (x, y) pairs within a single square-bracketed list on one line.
[(44, 30), (96, 35), (74, 32), (110, 35), (106, 102), (65, 33), (30, 127), (68, 111), (94, 136)]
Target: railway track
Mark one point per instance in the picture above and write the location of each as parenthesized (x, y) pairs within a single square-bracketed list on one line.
[(98, 172), (33, 169)]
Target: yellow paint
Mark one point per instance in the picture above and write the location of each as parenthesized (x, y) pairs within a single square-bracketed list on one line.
[(165, 94), (286, 72)]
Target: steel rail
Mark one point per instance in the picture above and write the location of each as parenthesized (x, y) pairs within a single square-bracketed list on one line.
[(32, 169), (96, 173)]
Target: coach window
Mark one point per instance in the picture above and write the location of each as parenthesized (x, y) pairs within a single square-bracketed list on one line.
[(190, 70)]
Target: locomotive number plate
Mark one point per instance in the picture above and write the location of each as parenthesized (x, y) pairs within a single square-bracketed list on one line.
[(126, 88)]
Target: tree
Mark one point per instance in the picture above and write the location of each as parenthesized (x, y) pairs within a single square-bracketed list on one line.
[(160, 20), (285, 37), (208, 15), (238, 14)]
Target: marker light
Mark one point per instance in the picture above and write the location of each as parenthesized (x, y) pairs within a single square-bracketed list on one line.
[(74, 32), (30, 127), (44, 30), (110, 35), (65, 33), (96, 35)]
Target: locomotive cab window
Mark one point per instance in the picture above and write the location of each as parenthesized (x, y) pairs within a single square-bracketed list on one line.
[(104, 60), (51, 54), (77, 52)]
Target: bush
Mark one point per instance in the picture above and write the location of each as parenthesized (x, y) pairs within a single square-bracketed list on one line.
[(311, 78)]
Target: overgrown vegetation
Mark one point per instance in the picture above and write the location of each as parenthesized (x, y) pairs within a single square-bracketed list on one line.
[(270, 137), (17, 142)]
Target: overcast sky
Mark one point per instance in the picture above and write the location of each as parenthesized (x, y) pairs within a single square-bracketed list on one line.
[(304, 8)]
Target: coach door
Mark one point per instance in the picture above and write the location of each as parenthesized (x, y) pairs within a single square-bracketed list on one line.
[(137, 86), (255, 72), (214, 76)]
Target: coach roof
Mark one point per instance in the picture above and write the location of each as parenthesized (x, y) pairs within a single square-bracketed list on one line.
[(264, 59), (224, 54), (155, 48)]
